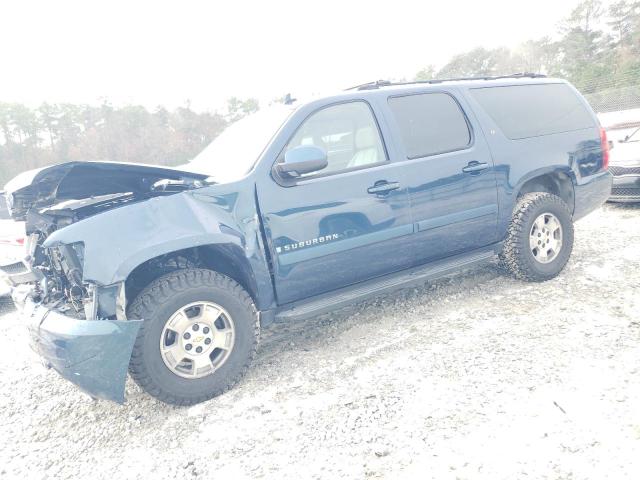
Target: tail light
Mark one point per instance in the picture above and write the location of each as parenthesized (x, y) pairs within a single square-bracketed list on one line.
[(604, 143)]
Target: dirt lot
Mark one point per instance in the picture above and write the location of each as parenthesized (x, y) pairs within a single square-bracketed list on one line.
[(476, 376)]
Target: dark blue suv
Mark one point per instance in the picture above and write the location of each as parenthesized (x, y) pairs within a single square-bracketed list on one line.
[(297, 210)]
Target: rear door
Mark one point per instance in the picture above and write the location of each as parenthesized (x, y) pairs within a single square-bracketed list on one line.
[(449, 171), (345, 224)]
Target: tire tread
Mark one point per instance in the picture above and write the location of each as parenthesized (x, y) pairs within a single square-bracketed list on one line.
[(159, 291), (517, 240)]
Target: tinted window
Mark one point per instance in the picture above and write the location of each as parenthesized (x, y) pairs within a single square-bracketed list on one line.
[(347, 132), (430, 123), (524, 111)]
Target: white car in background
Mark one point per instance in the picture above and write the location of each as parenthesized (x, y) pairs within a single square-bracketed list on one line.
[(624, 165), (12, 236)]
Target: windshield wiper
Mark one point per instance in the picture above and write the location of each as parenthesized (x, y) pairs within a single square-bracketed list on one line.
[(628, 137)]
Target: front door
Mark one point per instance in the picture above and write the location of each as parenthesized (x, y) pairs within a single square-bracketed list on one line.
[(450, 174), (344, 224)]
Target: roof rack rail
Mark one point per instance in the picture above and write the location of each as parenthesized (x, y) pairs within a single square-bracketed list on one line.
[(386, 83), (371, 85)]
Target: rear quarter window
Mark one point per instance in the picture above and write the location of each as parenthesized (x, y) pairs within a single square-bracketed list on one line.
[(430, 123), (523, 111)]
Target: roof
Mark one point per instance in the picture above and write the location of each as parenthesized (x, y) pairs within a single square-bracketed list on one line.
[(386, 88)]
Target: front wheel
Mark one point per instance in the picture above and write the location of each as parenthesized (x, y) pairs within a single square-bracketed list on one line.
[(540, 237), (199, 335)]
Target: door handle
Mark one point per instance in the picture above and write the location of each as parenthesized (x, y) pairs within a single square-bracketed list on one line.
[(382, 187), (475, 167)]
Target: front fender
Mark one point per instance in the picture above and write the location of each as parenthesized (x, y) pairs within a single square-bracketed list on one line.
[(117, 241)]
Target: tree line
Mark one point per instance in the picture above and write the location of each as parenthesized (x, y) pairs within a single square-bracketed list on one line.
[(597, 48), (54, 133)]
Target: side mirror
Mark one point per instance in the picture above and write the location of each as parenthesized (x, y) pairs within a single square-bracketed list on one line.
[(301, 160)]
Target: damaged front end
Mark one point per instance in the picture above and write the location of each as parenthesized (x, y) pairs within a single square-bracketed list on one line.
[(88, 348), (78, 327)]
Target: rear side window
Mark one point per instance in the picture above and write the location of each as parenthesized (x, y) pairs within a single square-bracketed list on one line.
[(524, 111), (430, 123)]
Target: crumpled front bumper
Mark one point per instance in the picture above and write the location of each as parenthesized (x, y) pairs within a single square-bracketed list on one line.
[(92, 354)]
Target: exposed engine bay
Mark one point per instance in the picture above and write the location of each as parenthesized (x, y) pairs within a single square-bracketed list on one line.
[(59, 196)]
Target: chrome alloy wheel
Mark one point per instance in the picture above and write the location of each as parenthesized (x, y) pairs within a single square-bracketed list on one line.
[(197, 339), (545, 238)]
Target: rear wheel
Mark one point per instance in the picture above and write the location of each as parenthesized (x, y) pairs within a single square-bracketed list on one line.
[(540, 237), (199, 335)]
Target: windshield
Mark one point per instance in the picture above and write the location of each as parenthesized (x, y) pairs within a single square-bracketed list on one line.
[(233, 153)]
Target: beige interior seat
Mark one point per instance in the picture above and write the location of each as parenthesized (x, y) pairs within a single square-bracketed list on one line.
[(367, 148)]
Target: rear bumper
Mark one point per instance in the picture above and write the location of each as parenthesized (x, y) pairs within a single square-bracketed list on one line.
[(626, 188), (92, 354), (591, 194)]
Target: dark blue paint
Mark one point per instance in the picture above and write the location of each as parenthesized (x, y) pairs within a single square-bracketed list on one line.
[(373, 230), (341, 245), (465, 215), (94, 355)]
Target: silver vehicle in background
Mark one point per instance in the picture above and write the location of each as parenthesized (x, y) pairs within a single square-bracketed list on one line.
[(624, 165)]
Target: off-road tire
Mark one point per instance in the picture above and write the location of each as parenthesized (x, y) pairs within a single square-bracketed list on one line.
[(516, 256), (158, 301)]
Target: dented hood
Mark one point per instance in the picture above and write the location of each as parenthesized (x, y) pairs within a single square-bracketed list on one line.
[(81, 180)]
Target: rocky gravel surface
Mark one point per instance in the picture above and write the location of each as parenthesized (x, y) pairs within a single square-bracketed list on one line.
[(474, 376)]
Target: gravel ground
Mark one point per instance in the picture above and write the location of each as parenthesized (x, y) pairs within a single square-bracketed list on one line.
[(474, 376)]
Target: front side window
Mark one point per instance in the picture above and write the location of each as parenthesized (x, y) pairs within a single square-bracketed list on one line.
[(430, 123), (347, 132)]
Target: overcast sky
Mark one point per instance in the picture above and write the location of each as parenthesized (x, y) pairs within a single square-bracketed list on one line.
[(166, 53)]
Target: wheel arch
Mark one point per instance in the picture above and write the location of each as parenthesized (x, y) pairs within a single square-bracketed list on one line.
[(227, 259), (555, 182)]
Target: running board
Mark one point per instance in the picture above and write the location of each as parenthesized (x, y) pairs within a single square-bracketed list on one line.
[(361, 291)]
